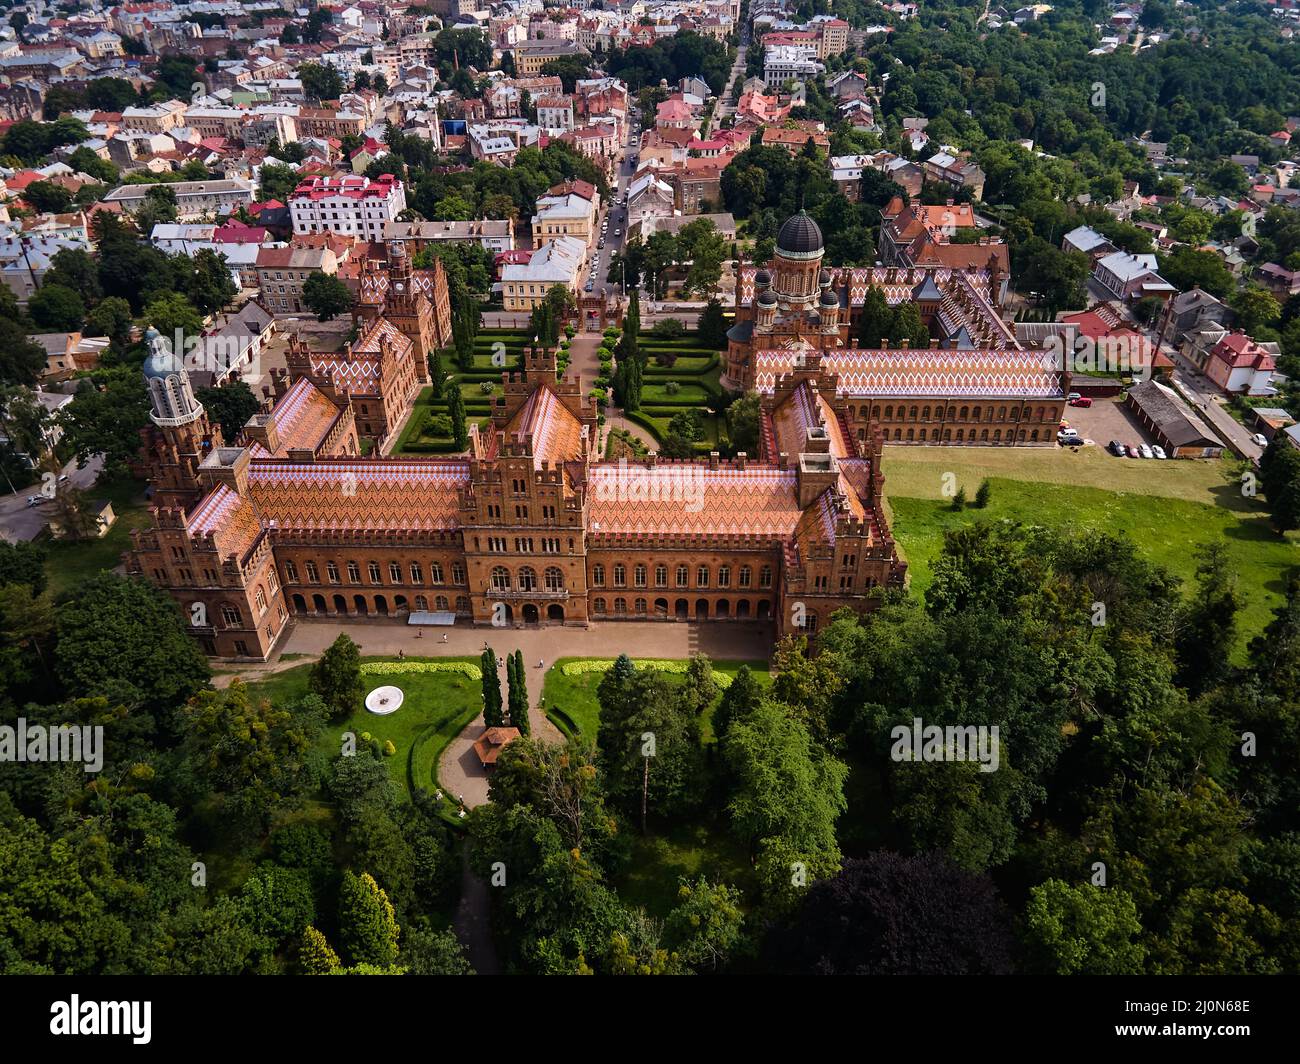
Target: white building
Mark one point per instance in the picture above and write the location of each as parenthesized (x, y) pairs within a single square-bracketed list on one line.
[(353, 205)]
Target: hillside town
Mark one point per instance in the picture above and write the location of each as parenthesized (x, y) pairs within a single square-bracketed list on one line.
[(752, 375)]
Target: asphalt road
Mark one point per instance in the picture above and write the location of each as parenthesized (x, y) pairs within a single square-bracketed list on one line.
[(20, 523)]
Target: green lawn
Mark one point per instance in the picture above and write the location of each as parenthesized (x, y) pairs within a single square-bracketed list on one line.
[(576, 695), (70, 563), (437, 708), (1166, 530), (658, 863)]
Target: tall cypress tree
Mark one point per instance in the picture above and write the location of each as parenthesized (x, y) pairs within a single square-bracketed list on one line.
[(493, 717), (519, 695), (456, 411), (437, 374)]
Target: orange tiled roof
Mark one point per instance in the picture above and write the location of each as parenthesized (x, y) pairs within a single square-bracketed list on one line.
[(407, 494), (303, 418), (232, 523), (802, 409), (689, 498), (555, 432)]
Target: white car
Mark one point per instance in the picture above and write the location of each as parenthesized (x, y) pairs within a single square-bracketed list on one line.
[(1259, 440), (1145, 451), (1158, 451)]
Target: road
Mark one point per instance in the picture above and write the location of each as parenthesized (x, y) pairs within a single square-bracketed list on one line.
[(724, 107), (20, 523)]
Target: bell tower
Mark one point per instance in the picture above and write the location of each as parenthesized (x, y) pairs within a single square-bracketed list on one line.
[(180, 435)]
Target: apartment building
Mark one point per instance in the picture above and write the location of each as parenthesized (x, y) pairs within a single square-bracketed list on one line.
[(352, 205)]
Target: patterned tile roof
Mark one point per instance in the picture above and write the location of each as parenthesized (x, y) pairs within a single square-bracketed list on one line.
[(380, 494), (556, 433), (803, 409), (925, 371), (230, 521), (897, 282), (677, 498), (303, 418), (352, 375)]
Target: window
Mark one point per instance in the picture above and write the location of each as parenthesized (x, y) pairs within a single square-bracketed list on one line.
[(702, 576), (620, 607), (765, 576), (373, 569), (597, 576), (440, 602), (421, 603), (354, 573), (661, 576), (291, 572), (332, 571), (638, 576), (457, 573), (724, 576), (527, 579), (683, 576), (500, 579), (417, 575), (395, 572), (620, 576), (231, 617), (744, 580), (260, 598), (598, 605), (554, 579), (435, 572)]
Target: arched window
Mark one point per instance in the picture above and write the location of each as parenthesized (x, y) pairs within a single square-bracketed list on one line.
[(598, 605), (620, 575), (925, 414), (527, 578), (702, 576), (765, 576), (620, 607), (661, 576), (500, 578), (440, 602), (421, 603), (638, 575), (597, 576), (683, 576), (640, 607), (724, 576), (554, 578), (744, 576), (889, 412)]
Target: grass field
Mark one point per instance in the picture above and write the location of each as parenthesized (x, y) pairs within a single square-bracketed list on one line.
[(437, 707), (576, 695), (70, 563), (658, 863), (1165, 528)]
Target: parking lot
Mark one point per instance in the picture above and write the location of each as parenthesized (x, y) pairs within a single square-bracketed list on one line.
[(1106, 420)]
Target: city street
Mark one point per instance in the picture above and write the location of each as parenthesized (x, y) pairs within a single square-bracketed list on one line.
[(20, 523)]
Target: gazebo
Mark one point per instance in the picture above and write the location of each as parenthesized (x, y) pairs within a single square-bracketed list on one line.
[(489, 745)]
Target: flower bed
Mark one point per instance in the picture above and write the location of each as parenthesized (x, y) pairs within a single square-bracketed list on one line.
[(677, 667), (387, 668)]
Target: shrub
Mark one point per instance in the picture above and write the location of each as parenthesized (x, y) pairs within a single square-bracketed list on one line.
[(672, 388), (438, 425), (388, 668), (666, 358), (389, 748), (674, 667), (486, 387), (669, 329)]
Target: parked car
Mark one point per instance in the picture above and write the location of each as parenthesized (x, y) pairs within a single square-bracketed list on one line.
[(1158, 451), (1081, 400), (618, 232), (1259, 440), (589, 286), (34, 500), (1117, 449), (1133, 452), (1073, 396), (1068, 436), (1145, 451)]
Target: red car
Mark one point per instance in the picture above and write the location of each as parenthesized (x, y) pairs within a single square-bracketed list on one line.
[(1083, 400)]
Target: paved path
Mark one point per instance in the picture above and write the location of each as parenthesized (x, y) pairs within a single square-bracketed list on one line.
[(473, 920)]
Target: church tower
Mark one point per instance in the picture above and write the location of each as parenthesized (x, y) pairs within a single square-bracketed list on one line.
[(180, 435), (410, 311)]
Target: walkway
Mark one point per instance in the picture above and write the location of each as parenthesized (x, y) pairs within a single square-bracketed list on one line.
[(473, 920)]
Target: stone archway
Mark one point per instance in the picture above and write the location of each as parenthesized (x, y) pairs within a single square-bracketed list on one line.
[(530, 613), (702, 609), (682, 609), (555, 612)]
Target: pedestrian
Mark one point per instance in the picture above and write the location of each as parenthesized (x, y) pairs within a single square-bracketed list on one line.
[(419, 633), (401, 654), (539, 663), (444, 637)]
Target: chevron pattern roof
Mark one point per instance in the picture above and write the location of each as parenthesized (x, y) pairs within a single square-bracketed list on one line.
[(926, 371)]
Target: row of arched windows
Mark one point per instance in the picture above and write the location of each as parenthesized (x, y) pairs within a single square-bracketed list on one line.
[(961, 436), (954, 413), (705, 576), (526, 579)]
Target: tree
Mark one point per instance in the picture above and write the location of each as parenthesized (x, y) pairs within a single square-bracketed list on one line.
[(124, 639), (519, 693), (492, 714), (437, 374), (173, 315), (863, 921), (1256, 309), (57, 309), (368, 928), (711, 327), (315, 955), (456, 411), (743, 418), (47, 197), (876, 323), (205, 278), (704, 928), (75, 269), (321, 82), (230, 405), (336, 678), (21, 360), (326, 296), (105, 418), (1083, 930), (739, 700), (427, 952), (1208, 620), (783, 785), (277, 181)]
